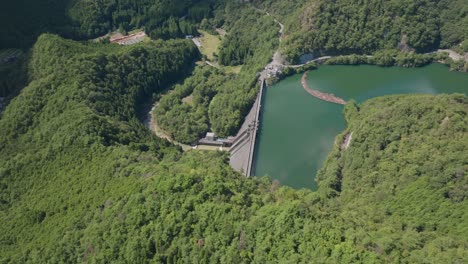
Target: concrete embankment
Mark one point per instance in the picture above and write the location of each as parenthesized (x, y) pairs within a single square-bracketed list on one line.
[(320, 95), (243, 147)]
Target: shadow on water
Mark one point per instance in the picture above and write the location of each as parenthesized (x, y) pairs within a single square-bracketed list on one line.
[(259, 131)]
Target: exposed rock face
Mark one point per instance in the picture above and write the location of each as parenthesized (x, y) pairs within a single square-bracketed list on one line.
[(346, 141), (403, 45)]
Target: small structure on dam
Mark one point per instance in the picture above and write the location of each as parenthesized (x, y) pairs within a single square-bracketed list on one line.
[(243, 146), (212, 140)]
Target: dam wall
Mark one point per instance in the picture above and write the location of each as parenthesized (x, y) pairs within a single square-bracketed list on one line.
[(243, 147)]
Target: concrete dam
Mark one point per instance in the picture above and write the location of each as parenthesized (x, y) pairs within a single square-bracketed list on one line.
[(243, 147)]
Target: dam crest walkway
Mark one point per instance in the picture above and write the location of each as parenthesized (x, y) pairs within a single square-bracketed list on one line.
[(243, 147)]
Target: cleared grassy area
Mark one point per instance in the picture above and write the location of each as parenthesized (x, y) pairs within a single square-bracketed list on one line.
[(188, 100), (147, 39), (232, 69), (210, 44), (134, 31)]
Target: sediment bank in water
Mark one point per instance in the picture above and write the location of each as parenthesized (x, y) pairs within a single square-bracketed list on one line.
[(320, 95)]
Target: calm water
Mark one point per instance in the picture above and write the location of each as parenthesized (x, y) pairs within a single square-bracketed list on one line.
[(297, 130)]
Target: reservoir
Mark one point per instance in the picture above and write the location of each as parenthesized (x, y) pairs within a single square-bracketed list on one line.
[(297, 130)]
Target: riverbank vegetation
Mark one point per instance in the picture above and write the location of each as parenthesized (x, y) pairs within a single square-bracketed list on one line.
[(404, 168), (389, 58), (315, 26)]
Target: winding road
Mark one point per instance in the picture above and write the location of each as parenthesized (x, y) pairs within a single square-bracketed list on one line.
[(454, 55), (276, 60)]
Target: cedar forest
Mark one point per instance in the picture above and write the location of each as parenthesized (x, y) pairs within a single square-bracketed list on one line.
[(83, 180)]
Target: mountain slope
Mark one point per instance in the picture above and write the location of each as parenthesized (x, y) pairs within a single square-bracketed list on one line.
[(363, 27), (83, 181)]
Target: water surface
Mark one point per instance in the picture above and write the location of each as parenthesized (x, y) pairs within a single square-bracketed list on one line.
[(297, 130)]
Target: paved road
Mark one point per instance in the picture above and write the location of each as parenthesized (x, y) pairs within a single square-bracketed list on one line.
[(454, 55)]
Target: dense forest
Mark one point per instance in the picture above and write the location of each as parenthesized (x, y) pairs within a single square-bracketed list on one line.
[(227, 97), (259, 37), (82, 19), (319, 26), (23, 21), (70, 121), (83, 180), (251, 30), (312, 26), (363, 27), (161, 19), (183, 113)]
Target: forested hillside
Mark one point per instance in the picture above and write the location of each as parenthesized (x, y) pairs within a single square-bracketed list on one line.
[(83, 181), (161, 18), (68, 137), (221, 100), (363, 27), (404, 177), (23, 21), (183, 113), (311, 25), (251, 42)]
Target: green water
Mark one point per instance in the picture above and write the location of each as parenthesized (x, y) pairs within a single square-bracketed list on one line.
[(297, 130)]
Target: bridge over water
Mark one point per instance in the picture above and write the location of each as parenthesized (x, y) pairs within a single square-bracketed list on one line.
[(243, 146)]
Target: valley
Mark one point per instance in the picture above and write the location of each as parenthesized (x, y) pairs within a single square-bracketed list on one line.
[(101, 102)]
